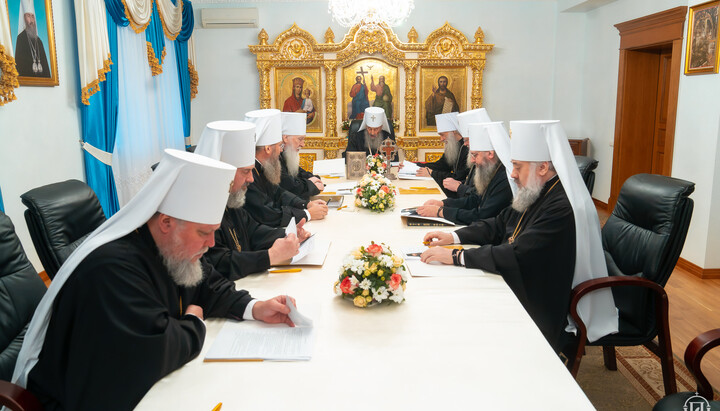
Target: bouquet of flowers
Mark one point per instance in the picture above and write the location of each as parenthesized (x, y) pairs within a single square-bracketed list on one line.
[(372, 275), (375, 192), (376, 164)]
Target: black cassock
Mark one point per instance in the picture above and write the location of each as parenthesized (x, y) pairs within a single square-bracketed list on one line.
[(539, 265), (300, 185), (270, 204), (356, 142), (24, 60), (474, 207), (441, 169), (249, 255), (467, 187), (117, 327)]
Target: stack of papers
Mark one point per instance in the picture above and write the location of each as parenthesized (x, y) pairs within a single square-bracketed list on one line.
[(412, 218), (255, 340), (331, 168), (408, 172), (341, 189), (310, 252)]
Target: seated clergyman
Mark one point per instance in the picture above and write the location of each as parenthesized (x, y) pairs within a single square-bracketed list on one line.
[(293, 177), (546, 243), (369, 138), (266, 201), (127, 307), (493, 191), (242, 245), (451, 168)]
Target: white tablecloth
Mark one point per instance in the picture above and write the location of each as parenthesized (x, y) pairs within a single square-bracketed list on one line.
[(457, 342)]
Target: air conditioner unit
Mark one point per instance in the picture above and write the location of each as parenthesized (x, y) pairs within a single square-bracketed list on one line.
[(229, 18)]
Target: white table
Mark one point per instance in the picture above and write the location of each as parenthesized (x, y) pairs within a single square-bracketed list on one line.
[(457, 342)]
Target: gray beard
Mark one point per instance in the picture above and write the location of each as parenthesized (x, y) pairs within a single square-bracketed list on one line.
[(237, 200), (452, 151), (183, 271), (374, 143), (483, 174), (272, 170), (469, 161), (528, 195), (292, 160), (31, 32)]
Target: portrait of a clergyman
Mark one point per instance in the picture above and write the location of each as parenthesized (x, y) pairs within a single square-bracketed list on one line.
[(33, 41), (440, 101)]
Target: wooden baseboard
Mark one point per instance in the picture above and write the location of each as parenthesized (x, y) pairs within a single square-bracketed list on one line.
[(599, 204), (697, 271)]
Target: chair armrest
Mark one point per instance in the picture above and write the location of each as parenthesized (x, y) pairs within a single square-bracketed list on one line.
[(694, 354), (17, 398)]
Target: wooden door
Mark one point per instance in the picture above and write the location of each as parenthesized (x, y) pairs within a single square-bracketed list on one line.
[(661, 111)]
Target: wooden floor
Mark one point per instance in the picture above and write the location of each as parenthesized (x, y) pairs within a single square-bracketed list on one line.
[(694, 309)]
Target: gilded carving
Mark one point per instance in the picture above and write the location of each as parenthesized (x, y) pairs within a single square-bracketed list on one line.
[(306, 161), (329, 36), (412, 35), (434, 156), (263, 37)]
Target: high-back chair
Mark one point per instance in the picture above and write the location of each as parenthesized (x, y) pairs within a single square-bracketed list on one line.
[(587, 167), (694, 354), (20, 292), (642, 240), (59, 217)]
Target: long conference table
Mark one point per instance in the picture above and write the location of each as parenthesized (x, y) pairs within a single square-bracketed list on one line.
[(456, 342)]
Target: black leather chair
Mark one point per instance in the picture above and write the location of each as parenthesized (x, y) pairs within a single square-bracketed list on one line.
[(694, 354), (354, 126), (60, 216), (20, 292), (587, 166), (642, 240)]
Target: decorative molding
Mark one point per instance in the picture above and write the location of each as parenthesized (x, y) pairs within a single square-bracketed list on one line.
[(432, 156), (697, 271), (307, 160)]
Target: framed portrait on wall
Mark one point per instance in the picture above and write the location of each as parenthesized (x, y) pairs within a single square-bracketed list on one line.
[(299, 90), (701, 54), (442, 90), (33, 37), (369, 82)]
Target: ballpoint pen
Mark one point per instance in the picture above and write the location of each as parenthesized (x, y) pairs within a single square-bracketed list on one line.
[(289, 270)]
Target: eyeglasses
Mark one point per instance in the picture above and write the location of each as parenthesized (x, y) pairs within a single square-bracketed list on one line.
[(474, 154)]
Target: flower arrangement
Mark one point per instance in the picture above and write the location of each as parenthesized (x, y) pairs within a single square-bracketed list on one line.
[(345, 125), (376, 163), (372, 275), (375, 192)]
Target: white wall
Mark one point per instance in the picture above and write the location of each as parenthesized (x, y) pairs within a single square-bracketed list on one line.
[(39, 131), (517, 81)]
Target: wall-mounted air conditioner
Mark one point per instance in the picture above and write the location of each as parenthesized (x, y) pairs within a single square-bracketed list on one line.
[(229, 18)]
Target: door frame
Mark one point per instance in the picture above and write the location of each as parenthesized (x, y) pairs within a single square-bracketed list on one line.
[(663, 28)]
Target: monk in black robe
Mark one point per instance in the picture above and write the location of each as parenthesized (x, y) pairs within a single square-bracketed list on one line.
[(538, 263), (120, 324), (299, 184), (452, 165), (369, 141), (467, 187), (30, 49)]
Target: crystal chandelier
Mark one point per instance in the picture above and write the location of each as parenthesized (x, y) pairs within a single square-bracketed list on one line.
[(348, 13)]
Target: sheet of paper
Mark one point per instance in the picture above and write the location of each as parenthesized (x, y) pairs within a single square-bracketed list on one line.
[(412, 213), (296, 317), (345, 188), (402, 176), (316, 256), (417, 268), (291, 227), (305, 248), (252, 340), (334, 167)]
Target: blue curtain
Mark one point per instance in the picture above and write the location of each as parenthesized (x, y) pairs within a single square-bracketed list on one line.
[(156, 37), (99, 120), (181, 54), (2, 207)]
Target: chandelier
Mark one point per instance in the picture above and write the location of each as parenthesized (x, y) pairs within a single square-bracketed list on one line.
[(348, 13)]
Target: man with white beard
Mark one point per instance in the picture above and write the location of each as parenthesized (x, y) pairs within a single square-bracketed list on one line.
[(127, 307), (373, 130), (546, 243), (453, 163), (242, 245), (266, 201), (30, 57), (293, 177), (493, 191)]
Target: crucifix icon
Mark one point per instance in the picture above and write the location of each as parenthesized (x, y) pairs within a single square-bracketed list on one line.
[(389, 148), (361, 71)]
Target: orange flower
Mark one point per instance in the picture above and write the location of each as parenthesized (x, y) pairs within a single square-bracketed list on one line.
[(374, 249), (346, 286), (386, 189), (395, 280)]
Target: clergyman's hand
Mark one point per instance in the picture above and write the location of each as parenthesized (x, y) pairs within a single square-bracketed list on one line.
[(428, 211), (195, 310), (273, 311), (423, 172), (318, 209), (440, 254), (435, 238), (451, 184), (302, 233), (284, 249), (433, 203)]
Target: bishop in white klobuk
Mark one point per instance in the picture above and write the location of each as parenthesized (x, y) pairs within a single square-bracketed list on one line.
[(373, 130), (242, 245), (127, 306), (266, 201), (490, 154), (450, 170), (547, 242), (294, 178)]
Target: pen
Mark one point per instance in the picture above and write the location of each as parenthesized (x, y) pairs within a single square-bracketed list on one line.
[(217, 407), (289, 270), (327, 194), (341, 207)]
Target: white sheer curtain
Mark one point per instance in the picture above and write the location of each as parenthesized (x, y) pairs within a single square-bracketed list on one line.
[(149, 113)]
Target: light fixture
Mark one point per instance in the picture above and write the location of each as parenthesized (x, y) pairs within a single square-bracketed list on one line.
[(348, 13)]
